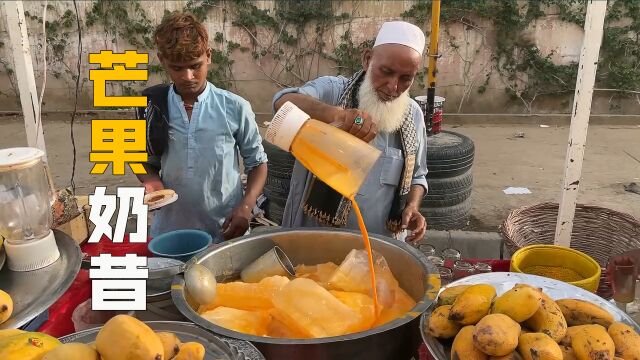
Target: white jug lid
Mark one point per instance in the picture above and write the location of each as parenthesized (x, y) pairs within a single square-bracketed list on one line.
[(19, 158), (285, 125)]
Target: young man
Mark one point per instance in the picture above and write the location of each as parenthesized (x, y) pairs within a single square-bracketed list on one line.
[(375, 106), (196, 134)]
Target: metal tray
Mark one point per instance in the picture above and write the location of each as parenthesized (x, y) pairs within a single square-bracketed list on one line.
[(34, 291), (504, 281), (217, 347)]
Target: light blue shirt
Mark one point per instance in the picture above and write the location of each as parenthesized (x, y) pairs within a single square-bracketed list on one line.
[(202, 160), (379, 188)]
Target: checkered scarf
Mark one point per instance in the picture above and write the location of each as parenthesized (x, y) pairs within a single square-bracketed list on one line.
[(330, 208)]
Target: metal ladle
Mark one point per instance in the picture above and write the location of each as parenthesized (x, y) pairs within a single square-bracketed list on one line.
[(199, 280)]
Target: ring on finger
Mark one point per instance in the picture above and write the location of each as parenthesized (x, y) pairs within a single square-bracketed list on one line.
[(358, 120)]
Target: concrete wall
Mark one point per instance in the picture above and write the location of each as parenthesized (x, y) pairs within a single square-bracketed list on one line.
[(462, 68)]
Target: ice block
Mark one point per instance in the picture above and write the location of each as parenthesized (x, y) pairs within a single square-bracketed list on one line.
[(361, 303), (353, 275), (279, 329), (247, 322), (246, 296), (310, 309), (320, 273)]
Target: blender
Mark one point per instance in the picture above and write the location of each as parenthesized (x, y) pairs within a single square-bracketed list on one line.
[(26, 196)]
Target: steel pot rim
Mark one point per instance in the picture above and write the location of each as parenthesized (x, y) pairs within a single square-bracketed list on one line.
[(179, 300)]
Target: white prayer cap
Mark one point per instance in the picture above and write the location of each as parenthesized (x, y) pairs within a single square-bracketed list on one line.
[(403, 33)]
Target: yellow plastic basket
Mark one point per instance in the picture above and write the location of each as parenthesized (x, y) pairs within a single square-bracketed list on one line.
[(560, 263)]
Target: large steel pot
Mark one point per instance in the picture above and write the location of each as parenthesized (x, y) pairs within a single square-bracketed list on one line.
[(399, 339)]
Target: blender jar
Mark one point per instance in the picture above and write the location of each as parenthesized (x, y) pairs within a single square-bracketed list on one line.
[(26, 196)]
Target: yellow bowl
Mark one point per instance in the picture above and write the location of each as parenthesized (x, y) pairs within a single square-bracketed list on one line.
[(560, 263)]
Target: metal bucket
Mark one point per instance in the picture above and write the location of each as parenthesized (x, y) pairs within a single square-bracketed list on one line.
[(399, 339)]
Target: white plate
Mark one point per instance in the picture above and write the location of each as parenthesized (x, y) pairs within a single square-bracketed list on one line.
[(504, 281), (168, 197)]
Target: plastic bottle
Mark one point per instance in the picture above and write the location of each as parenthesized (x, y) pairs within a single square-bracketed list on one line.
[(336, 157)]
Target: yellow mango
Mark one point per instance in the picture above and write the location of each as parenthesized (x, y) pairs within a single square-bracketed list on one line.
[(27, 346), (548, 319), (626, 340), (568, 337), (72, 351), (170, 343), (191, 351), (580, 312), (473, 304), (439, 324), (450, 294), (568, 353), (6, 306), (513, 356), (592, 342), (463, 348), (518, 303), (538, 346), (124, 337), (496, 335), (10, 332)]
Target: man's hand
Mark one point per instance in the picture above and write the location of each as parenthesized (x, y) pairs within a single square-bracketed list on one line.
[(414, 221), (152, 185), (237, 223), (364, 127)]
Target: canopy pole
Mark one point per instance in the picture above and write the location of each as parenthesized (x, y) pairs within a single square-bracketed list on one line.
[(433, 58), (19, 40), (593, 29)]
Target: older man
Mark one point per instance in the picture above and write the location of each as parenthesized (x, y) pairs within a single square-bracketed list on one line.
[(374, 105)]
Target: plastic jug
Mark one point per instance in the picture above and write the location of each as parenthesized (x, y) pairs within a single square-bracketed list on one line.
[(336, 157)]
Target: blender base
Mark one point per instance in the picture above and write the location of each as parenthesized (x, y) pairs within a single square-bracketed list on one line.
[(33, 255)]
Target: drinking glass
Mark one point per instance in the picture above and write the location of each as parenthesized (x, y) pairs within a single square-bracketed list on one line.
[(482, 268), (450, 256), (446, 275), (623, 274), (427, 249), (462, 269), (435, 260)]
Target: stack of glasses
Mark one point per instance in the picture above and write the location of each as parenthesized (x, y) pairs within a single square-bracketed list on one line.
[(450, 264)]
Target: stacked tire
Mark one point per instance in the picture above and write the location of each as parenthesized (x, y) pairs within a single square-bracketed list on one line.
[(450, 157), (276, 188)]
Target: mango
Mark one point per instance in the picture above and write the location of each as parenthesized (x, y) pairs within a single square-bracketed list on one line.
[(6, 306), (125, 337), (496, 335), (463, 348), (580, 312), (72, 351), (626, 341), (10, 332), (513, 356), (473, 304), (548, 319), (568, 353), (538, 346), (170, 343), (27, 346), (439, 324), (450, 294), (592, 342), (191, 351), (518, 303)]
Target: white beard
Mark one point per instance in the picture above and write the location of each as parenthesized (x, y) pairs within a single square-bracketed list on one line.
[(387, 115)]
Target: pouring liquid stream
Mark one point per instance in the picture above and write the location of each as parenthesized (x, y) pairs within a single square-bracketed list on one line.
[(340, 167)]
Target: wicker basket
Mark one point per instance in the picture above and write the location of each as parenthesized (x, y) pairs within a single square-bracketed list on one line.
[(598, 232)]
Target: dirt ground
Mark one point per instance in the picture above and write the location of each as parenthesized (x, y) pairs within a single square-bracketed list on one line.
[(535, 161)]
